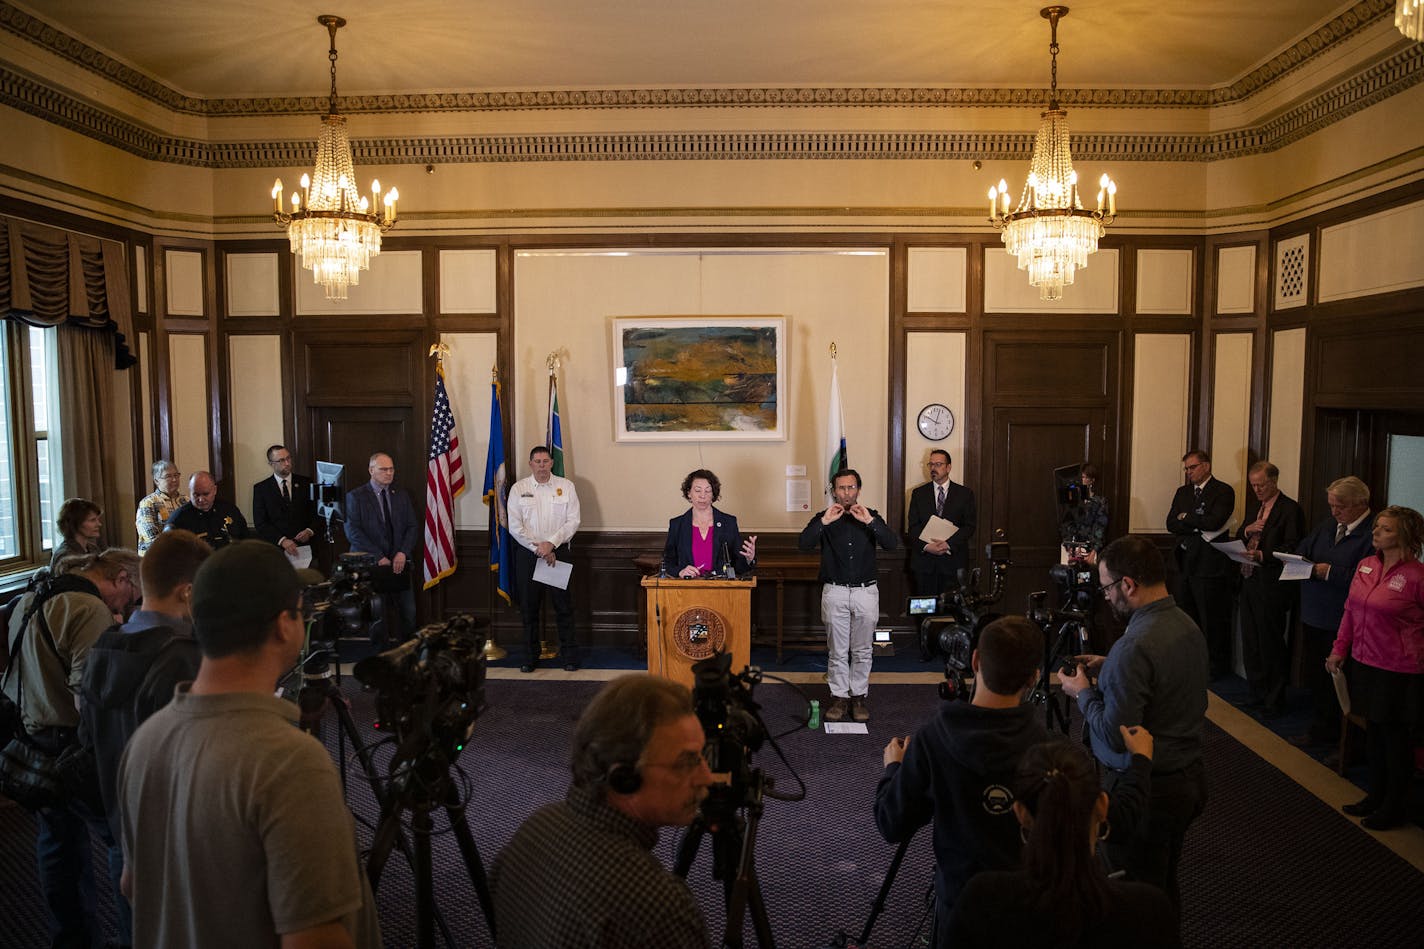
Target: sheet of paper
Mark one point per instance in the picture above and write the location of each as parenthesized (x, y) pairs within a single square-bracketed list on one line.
[(302, 558), (938, 529), (1235, 550), (798, 494), (555, 576), (1342, 690), (846, 728), (1213, 535), (1295, 566)]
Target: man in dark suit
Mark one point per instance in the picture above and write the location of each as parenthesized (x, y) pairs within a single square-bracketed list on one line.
[(936, 565), (1335, 548), (1206, 578), (1273, 522), (282, 509), (380, 520)]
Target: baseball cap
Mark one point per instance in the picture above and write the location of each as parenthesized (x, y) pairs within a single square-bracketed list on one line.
[(245, 584)]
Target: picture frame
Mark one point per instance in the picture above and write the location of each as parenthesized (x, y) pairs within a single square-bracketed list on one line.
[(699, 378)]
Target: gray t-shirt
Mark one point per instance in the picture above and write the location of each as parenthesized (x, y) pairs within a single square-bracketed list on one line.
[(234, 828)]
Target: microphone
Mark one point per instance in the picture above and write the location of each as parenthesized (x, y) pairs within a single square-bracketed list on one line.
[(729, 569)]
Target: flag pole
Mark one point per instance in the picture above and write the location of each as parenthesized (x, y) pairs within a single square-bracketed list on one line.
[(493, 651)]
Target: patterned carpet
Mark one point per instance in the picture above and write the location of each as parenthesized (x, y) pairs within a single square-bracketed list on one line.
[(1268, 865)]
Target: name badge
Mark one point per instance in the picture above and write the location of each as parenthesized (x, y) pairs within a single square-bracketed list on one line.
[(1367, 569)]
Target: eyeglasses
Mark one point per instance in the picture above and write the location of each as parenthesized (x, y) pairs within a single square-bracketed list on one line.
[(683, 764), (1193, 467), (1108, 586)]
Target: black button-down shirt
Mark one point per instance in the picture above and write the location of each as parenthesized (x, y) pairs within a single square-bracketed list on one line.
[(848, 546)]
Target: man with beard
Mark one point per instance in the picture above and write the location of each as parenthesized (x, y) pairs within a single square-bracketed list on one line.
[(1154, 676)]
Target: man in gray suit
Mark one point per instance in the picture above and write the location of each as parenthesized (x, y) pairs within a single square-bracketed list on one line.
[(380, 520)]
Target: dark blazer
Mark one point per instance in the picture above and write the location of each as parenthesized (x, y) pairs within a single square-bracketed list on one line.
[(1195, 556), (1322, 602), (1282, 532), (274, 518), (959, 507), (677, 552), (365, 528)]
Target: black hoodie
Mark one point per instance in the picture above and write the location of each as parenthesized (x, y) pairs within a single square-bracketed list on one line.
[(959, 771), (128, 677)]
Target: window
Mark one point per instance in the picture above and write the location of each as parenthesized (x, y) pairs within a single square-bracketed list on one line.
[(29, 459)]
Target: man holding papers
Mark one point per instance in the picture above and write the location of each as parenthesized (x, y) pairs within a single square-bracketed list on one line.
[(942, 516), (543, 518), (1273, 522), (1206, 578)]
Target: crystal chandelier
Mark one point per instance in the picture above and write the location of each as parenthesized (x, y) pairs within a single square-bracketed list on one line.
[(1050, 231), (336, 229), (1409, 18)]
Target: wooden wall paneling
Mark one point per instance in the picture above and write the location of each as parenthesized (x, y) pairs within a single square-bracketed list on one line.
[(895, 440)]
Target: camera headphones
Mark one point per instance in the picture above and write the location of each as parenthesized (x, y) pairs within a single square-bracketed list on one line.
[(624, 778)]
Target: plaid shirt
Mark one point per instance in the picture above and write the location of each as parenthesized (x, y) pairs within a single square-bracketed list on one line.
[(580, 875), (153, 513)]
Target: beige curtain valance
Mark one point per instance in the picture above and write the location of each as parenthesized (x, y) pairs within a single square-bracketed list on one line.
[(50, 276)]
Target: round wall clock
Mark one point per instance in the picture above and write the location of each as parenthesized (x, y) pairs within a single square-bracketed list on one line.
[(936, 421)]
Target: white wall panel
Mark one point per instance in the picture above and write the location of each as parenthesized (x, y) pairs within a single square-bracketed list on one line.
[(1287, 406), (1236, 279), (1231, 414), (1161, 387), (252, 285), (255, 384), (566, 301), (467, 281), (1007, 290), (188, 397), (467, 382), (934, 372), (392, 285), (145, 395), (1374, 254), (936, 279), (183, 275), (1164, 281)]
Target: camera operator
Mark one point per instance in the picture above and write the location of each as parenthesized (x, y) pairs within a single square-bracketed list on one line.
[(958, 769), (234, 828), (580, 873), (51, 634), (1155, 676)]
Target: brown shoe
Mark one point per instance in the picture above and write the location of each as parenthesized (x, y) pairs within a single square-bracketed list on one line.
[(858, 711), (836, 711)]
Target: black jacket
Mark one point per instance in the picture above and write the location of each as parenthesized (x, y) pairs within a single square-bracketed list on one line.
[(959, 508), (127, 678), (1187, 519), (1285, 526), (726, 540), (959, 772), (274, 518)]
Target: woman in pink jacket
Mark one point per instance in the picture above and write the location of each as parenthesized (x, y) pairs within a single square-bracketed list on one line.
[(1383, 634)]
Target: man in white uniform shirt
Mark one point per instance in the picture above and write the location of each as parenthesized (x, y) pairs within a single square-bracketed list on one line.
[(543, 518)]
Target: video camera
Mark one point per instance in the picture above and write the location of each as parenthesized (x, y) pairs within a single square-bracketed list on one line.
[(430, 689), (954, 619), (340, 607), (729, 715)]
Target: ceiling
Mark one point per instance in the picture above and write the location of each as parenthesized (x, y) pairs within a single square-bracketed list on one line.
[(275, 47)]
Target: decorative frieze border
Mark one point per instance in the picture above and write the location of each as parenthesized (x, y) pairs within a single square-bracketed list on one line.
[(1386, 78), (51, 38)]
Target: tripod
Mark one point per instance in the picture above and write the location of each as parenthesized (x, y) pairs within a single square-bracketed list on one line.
[(877, 906), (1058, 653), (733, 856), (426, 784), (320, 691)]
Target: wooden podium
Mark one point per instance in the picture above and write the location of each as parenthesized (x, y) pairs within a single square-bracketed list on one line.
[(689, 620)]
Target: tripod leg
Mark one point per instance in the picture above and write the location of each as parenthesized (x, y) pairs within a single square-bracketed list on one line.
[(387, 831), (363, 753), (473, 865), (687, 849), (878, 906)]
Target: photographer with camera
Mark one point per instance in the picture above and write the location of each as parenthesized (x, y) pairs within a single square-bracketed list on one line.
[(221, 770), (1155, 676), (51, 634), (580, 873), (958, 769)]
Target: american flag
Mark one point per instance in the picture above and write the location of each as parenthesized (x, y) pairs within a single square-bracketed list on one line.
[(444, 481)]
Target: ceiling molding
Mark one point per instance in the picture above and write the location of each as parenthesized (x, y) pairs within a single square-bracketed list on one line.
[(74, 50), (1393, 75)]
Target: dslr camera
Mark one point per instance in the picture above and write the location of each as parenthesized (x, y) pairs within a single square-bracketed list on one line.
[(953, 620)]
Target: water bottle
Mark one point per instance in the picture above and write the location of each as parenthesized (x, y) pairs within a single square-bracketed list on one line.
[(815, 720)]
